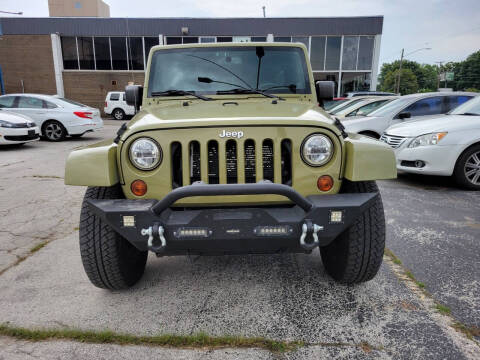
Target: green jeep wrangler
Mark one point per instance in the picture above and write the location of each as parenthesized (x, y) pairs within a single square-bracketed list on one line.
[(230, 153)]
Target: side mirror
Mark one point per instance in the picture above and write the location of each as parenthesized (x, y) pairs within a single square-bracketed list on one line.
[(404, 115), (134, 95), (325, 91)]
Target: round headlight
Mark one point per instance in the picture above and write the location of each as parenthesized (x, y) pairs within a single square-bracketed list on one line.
[(317, 150), (145, 154)]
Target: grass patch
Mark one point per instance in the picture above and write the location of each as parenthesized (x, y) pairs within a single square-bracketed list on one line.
[(392, 256), (469, 331), (200, 340), (38, 247), (443, 309)]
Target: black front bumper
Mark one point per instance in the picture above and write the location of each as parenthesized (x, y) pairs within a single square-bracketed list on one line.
[(232, 230)]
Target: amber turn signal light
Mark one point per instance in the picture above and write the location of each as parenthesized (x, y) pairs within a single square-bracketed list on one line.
[(325, 183), (138, 187)]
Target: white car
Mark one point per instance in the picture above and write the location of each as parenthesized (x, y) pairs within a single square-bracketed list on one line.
[(116, 105), (443, 145), (17, 129), (57, 117), (406, 108), (344, 103), (364, 107)]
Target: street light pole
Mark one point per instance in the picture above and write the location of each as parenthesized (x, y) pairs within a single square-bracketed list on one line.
[(397, 90), (401, 62)]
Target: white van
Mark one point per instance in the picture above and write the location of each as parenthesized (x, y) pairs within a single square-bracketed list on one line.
[(116, 105)]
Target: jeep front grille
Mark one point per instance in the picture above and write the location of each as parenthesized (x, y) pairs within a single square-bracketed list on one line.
[(231, 162)]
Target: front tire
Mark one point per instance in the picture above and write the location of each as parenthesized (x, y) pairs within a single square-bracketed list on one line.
[(467, 168), (109, 260), (53, 130), (355, 255)]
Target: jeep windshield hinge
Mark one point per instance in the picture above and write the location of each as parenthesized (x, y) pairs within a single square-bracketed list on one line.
[(340, 127)]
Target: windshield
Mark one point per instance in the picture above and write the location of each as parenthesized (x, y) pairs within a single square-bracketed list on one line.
[(282, 70), (346, 105), (471, 107), (330, 104), (350, 107), (391, 107)]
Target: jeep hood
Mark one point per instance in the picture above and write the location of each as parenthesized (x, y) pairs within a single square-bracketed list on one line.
[(229, 113)]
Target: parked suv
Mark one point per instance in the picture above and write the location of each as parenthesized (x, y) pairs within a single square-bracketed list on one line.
[(116, 106), (412, 107), (230, 154)]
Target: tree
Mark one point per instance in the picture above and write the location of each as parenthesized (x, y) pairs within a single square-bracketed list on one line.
[(426, 75), (408, 82), (468, 75)]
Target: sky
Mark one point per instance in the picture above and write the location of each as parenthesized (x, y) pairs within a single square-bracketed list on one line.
[(451, 28)]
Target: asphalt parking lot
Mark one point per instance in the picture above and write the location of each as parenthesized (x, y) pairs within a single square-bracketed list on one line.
[(433, 229)]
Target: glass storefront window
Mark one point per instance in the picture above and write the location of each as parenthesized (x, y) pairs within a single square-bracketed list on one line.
[(85, 53), (317, 53), (149, 43), (301, 39), (119, 53), (332, 60), (224, 39), (355, 82), (365, 53), (102, 53), (282, 39), (170, 40), (350, 51), (259, 38), (190, 39), (69, 53), (135, 53)]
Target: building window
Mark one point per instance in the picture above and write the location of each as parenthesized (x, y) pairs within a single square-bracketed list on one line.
[(172, 40), (317, 53), (259, 38), (119, 53), (301, 39), (332, 58), (135, 53), (350, 52), (149, 43), (282, 39), (190, 39), (69, 53), (365, 53), (85, 53), (102, 53), (207, 39)]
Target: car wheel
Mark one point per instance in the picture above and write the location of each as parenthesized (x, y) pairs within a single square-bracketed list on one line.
[(54, 131), (109, 260), (118, 114), (355, 255), (467, 168)]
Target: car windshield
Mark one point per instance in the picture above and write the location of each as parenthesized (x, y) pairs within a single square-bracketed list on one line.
[(471, 107), (391, 107), (346, 105), (272, 69), (350, 107), (328, 105)]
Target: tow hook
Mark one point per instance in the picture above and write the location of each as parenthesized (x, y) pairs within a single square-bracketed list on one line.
[(309, 231), (152, 232)]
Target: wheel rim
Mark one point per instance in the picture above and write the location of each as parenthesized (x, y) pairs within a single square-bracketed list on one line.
[(472, 168), (118, 115), (53, 131)]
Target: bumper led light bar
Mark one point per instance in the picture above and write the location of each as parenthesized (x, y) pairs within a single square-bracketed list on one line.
[(273, 230), (192, 232)]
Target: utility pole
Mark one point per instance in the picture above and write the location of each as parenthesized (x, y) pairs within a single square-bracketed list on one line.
[(399, 74), (263, 7), (440, 63)]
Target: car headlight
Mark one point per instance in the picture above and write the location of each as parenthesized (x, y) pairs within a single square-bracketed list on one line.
[(317, 150), (427, 139), (145, 154), (5, 124)]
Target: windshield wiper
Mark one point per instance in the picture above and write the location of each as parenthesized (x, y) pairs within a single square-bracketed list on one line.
[(291, 87), (469, 114), (174, 92), (238, 88)]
